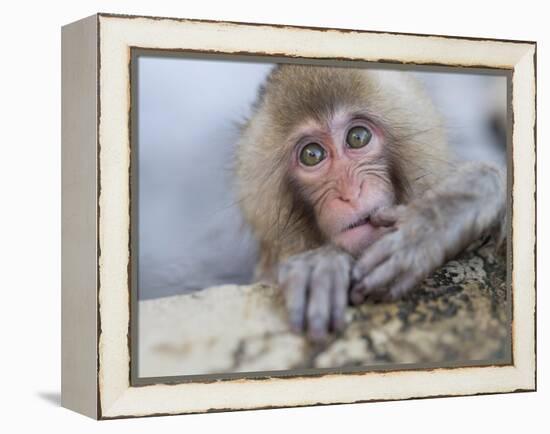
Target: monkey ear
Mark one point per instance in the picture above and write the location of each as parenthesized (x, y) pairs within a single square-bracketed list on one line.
[(387, 216)]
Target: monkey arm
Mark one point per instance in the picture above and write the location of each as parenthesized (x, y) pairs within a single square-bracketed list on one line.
[(316, 287), (430, 230)]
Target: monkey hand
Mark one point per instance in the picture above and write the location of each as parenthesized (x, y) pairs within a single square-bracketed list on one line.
[(430, 230), (316, 287), (419, 241)]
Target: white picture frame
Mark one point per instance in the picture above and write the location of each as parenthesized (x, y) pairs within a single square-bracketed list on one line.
[(96, 251)]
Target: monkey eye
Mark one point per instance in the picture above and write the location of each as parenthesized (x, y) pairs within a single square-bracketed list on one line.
[(312, 154), (358, 137)]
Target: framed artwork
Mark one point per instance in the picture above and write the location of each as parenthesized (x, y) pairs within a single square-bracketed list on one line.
[(262, 216)]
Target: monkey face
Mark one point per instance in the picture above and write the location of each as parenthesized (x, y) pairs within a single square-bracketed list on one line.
[(341, 169)]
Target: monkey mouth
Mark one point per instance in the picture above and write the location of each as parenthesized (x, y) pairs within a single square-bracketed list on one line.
[(361, 222), (358, 235)]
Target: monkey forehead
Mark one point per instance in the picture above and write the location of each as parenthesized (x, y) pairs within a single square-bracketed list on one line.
[(296, 93), (324, 128), (293, 94)]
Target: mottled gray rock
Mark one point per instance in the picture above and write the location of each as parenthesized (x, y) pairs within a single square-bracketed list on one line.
[(459, 314)]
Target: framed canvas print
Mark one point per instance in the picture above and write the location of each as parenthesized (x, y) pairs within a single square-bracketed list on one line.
[(260, 216)]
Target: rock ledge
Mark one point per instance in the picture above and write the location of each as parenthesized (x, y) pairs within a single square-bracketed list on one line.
[(459, 314)]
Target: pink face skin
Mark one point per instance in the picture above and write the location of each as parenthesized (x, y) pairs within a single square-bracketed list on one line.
[(349, 184)]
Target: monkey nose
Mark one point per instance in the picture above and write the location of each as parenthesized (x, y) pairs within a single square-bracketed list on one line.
[(346, 198), (351, 192), (350, 195)]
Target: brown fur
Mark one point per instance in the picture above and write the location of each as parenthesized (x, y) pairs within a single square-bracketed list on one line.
[(283, 223)]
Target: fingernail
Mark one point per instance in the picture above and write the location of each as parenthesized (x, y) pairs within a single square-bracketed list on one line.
[(357, 296), (317, 335), (338, 324), (317, 330)]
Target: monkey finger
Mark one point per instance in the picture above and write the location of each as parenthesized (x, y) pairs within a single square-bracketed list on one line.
[(339, 297), (294, 288), (386, 216), (403, 285), (381, 276), (380, 294), (359, 294), (318, 309), (376, 254)]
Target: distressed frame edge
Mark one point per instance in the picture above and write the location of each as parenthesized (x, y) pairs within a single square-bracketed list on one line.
[(315, 28), (530, 384), (79, 267), (524, 116)]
